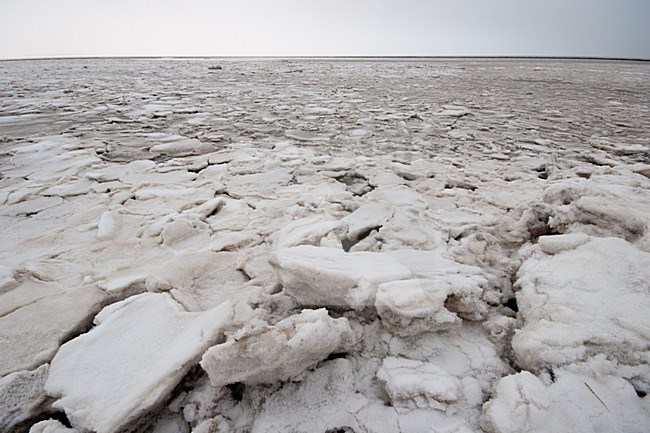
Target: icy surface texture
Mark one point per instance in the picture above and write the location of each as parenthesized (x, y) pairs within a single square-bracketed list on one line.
[(50, 426), (334, 278), (203, 246), (22, 396), (142, 347), (584, 302), (279, 352), (573, 403)]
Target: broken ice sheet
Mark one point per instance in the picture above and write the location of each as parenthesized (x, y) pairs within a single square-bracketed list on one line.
[(418, 384), (574, 403), (275, 353), (424, 168), (320, 276), (581, 302), (112, 375)]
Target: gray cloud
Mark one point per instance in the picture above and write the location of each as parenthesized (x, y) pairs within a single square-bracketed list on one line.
[(606, 28)]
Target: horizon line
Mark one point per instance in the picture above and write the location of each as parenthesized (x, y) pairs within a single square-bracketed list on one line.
[(347, 57)]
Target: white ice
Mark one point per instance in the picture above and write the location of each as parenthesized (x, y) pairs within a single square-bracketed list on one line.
[(324, 246), (107, 378)]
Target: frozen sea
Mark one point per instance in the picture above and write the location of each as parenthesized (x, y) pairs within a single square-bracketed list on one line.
[(324, 245)]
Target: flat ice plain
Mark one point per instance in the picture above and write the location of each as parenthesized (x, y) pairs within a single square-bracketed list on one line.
[(324, 246)]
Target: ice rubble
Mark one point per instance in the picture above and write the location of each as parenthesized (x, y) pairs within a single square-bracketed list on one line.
[(267, 254), (279, 352)]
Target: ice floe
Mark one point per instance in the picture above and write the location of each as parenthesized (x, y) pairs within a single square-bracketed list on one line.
[(135, 375)]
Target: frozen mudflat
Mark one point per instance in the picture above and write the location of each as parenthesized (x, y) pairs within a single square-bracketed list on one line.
[(324, 246)]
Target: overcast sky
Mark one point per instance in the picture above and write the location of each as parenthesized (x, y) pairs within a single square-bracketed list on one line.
[(601, 28)]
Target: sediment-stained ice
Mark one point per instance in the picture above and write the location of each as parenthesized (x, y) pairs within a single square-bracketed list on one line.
[(22, 396)]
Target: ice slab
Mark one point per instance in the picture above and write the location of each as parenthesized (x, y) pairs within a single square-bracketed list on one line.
[(465, 354), (276, 353), (412, 383), (613, 203), (467, 286), (140, 349), (50, 426), (582, 302), (574, 403), (263, 184), (22, 396), (181, 146), (31, 334), (324, 401), (319, 276), (410, 307), (558, 243), (367, 216), (306, 231), (398, 196)]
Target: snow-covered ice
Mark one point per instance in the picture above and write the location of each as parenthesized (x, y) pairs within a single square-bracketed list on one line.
[(279, 352), (140, 349), (414, 306), (418, 384), (331, 277), (321, 246), (584, 302)]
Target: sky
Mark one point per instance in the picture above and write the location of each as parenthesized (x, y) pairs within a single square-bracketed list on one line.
[(584, 28)]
